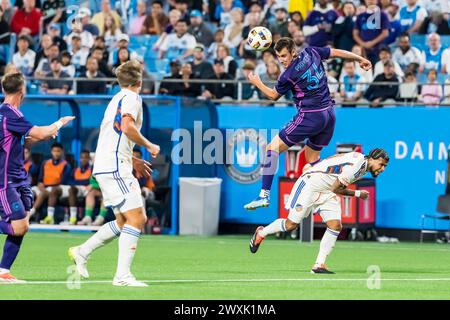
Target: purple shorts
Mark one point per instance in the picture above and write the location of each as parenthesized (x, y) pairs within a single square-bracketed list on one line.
[(15, 202), (317, 127)]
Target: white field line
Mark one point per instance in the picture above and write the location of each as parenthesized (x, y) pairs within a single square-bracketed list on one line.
[(82, 282)]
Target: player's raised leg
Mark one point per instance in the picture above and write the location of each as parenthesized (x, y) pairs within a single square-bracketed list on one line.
[(269, 169)]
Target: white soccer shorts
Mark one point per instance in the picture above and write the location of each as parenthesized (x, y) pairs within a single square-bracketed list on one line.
[(305, 199), (120, 191)]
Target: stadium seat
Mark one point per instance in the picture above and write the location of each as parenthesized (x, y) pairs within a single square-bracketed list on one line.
[(443, 209)]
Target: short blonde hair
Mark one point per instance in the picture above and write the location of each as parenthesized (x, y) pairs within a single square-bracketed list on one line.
[(129, 74)]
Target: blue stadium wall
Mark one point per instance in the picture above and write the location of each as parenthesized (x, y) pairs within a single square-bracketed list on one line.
[(417, 139)]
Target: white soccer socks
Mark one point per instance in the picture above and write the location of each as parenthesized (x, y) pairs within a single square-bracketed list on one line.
[(104, 235), (326, 245), (127, 248), (276, 226)]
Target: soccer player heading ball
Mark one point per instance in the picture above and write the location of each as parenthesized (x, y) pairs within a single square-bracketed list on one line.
[(316, 191), (306, 78)]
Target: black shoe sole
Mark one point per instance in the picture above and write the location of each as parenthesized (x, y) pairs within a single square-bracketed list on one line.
[(322, 271)]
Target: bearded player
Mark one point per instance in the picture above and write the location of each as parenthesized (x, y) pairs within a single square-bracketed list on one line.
[(306, 78), (316, 191)]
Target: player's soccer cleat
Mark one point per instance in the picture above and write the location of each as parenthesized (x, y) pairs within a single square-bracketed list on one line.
[(260, 202), (79, 261), (128, 281), (256, 240), (99, 221), (72, 221), (9, 278), (321, 268), (86, 221), (48, 220)]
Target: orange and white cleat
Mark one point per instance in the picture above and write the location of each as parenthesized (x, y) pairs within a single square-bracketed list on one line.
[(321, 268), (256, 240), (9, 278)]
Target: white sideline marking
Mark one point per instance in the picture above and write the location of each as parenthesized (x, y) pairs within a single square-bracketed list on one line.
[(230, 280)]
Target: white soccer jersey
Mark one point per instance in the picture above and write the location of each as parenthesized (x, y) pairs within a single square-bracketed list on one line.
[(114, 149), (347, 167)]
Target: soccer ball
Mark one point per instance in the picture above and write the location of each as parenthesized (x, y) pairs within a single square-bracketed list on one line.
[(259, 38)]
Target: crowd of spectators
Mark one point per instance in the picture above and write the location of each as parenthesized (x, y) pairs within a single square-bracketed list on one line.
[(206, 39)]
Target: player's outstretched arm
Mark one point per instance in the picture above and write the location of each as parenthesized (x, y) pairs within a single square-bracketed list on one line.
[(270, 93), (39, 133), (132, 132), (344, 54), (339, 188)]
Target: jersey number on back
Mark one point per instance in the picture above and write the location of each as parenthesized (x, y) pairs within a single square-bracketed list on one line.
[(337, 169), (313, 80)]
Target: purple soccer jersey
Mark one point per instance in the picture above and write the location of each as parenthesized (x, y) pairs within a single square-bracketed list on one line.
[(306, 78), (14, 128)]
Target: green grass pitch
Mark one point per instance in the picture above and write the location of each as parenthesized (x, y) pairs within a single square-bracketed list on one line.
[(222, 267)]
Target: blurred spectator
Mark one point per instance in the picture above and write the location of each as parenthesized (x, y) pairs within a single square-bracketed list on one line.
[(249, 91), (233, 31), (333, 84), (87, 39), (19, 4), (256, 9), (223, 11), (23, 59), (172, 88), (297, 17), (188, 89), (218, 39), (26, 20), (261, 66), (97, 53), (446, 61), (30, 167), (394, 23), (148, 80), (351, 88), (44, 48), (366, 76), (110, 32), (44, 64), (92, 72), (123, 55), (405, 54), (136, 23), (299, 40), (292, 27), (244, 50), (79, 54), (447, 91), (54, 31), (280, 24), (412, 16), (199, 29), (273, 71), (201, 69), (442, 6), (123, 41), (84, 14), (7, 11), (377, 93), (66, 64), (319, 23), (408, 89), (54, 177), (99, 18), (79, 185), (5, 37), (179, 45), (435, 22), (432, 55), (174, 16), (53, 11), (94, 192), (56, 85), (220, 90), (385, 55), (182, 6), (303, 7), (156, 21), (343, 28), (431, 93), (147, 184), (230, 64), (369, 33)]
